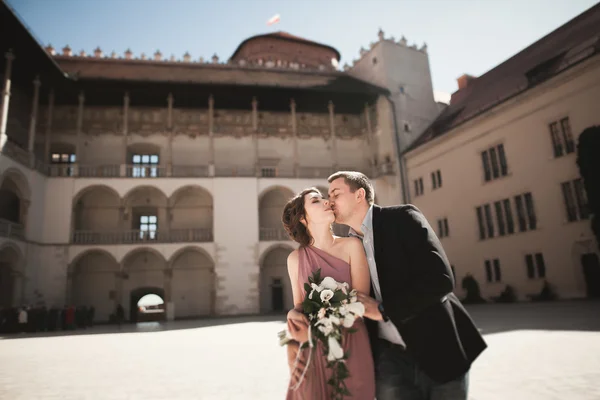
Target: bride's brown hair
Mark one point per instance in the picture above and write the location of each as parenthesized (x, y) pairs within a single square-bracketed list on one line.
[(293, 212)]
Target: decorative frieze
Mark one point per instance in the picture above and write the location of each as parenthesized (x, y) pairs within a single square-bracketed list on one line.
[(348, 126), (145, 121), (189, 121), (312, 125), (273, 124), (235, 123)]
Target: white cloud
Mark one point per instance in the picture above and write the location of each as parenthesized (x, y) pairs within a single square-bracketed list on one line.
[(441, 96)]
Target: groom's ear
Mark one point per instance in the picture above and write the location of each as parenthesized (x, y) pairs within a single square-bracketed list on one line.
[(360, 194)]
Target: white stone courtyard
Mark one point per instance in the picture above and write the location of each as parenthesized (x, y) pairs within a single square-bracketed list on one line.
[(536, 352)]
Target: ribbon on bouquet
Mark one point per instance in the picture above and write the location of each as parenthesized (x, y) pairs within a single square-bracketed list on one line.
[(300, 350)]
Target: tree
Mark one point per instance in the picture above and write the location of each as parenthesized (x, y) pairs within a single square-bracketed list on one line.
[(588, 161)]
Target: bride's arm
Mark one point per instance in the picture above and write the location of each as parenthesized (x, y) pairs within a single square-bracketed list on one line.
[(359, 268), (297, 321)]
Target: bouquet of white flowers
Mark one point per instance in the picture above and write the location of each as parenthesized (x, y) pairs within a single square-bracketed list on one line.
[(331, 309)]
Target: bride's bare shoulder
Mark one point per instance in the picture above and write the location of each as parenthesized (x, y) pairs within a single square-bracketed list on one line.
[(293, 257)]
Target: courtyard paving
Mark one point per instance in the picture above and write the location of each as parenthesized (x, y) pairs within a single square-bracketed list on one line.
[(536, 352)]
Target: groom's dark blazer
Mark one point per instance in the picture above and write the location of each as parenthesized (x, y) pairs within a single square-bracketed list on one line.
[(416, 283)]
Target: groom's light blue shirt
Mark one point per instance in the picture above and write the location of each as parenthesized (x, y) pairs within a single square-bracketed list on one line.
[(387, 330)]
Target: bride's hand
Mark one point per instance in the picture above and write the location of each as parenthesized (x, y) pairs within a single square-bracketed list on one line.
[(298, 316), (297, 324)]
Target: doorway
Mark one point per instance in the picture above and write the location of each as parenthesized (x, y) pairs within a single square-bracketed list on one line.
[(591, 273), (277, 295), (153, 310)]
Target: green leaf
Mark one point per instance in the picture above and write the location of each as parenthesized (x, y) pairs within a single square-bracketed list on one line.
[(307, 288), (338, 296)]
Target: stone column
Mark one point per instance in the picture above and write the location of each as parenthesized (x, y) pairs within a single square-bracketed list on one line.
[(369, 139), (255, 135), (79, 128), (211, 137), (125, 162), (33, 118), (49, 126), (334, 155), (170, 133), (295, 137), (9, 57)]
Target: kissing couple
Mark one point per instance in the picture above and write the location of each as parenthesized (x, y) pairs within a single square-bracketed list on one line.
[(415, 340)]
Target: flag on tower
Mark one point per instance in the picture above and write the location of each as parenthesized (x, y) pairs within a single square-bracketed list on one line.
[(274, 19)]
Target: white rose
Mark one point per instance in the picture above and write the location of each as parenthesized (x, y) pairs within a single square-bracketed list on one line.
[(343, 311), (326, 295), (329, 283), (356, 308), (335, 350), (325, 322), (334, 320), (349, 321)]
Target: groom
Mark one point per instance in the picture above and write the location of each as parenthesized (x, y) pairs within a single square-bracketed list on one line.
[(423, 341)]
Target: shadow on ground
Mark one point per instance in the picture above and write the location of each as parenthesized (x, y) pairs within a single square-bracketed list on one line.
[(141, 327), (577, 315)]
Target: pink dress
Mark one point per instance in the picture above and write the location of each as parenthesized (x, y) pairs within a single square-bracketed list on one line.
[(361, 382)]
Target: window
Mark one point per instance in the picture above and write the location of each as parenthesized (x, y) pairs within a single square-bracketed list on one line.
[(520, 214), (268, 172), (494, 163), (531, 218), (480, 223), (436, 179), (443, 230), (562, 137), (536, 267), (148, 226), (575, 200), (504, 217), (510, 226), (418, 187), (500, 218), (488, 220), (492, 270), (63, 159), (145, 165)]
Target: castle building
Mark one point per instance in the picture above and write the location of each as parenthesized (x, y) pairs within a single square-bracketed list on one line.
[(496, 174), (125, 175)]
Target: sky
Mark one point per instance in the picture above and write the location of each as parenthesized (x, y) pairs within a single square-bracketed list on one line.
[(462, 36)]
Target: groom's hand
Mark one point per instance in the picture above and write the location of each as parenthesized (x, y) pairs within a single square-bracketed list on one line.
[(371, 310)]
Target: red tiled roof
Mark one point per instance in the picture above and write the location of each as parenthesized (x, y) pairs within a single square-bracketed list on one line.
[(573, 42), (285, 36)]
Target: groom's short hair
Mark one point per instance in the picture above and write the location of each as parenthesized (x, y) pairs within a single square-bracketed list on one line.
[(356, 180)]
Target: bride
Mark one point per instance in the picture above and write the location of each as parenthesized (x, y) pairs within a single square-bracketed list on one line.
[(307, 218)]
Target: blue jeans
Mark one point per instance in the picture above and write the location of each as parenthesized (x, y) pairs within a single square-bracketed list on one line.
[(399, 378)]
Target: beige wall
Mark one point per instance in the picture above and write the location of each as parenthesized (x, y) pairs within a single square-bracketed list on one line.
[(521, 125)]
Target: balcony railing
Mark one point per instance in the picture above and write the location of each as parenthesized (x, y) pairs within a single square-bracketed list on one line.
[(138, 236), (222, 171), (23, 157), (273, 234), (10, 229), (182, 171)]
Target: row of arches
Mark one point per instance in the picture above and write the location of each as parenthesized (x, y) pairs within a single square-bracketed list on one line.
[(15, 196), (187, 280)]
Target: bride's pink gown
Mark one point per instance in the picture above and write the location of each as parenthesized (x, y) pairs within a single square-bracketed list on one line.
[(361, 382)]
